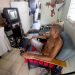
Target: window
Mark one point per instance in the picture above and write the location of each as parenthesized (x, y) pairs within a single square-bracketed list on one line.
[(71, 12)]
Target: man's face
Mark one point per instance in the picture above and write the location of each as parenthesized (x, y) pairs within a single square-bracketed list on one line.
[(54, 32)]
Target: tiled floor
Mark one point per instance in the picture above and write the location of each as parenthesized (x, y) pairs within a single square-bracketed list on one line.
[(13, 64), (70, 65)]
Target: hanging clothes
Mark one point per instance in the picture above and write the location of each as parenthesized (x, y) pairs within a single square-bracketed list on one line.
[(53, 4), (59, 1), (32, 6)]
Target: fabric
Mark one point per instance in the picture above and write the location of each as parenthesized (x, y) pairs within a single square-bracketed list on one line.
[(30, 35), (68, 48), (37, 44), (32, 6), (24, 42), (52, 13), (40, 63), (59, 1), (36, 25), (53, 4)]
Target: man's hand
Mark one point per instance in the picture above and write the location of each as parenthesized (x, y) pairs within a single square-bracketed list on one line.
[(34, 36), (28, 55)]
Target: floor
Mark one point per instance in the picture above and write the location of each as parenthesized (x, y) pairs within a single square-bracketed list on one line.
[(70, 65), (13, 64)]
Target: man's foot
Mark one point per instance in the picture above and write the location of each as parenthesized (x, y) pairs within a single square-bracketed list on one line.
[(28, 55)]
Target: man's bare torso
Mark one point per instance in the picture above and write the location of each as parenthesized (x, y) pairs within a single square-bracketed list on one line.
[(49, 46)]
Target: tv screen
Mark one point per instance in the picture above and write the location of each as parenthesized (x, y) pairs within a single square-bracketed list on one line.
[(11, 15)]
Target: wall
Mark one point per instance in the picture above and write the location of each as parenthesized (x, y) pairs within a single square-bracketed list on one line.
[(68, 26), (45, 13), (70, 29), (4, 3), (65, 9)]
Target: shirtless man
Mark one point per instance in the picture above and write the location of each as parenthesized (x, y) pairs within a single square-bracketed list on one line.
[(51, 48)]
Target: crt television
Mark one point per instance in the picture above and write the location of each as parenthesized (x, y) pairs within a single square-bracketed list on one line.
[(11, 15)]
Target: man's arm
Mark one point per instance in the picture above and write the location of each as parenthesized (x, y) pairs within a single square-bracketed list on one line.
[(43, 36), (36, 56), (40, 37), (46, 59), (52, 55)]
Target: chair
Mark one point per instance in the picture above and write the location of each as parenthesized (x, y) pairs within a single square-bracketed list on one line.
[(55, 66), (40, 63), (67, 51), (47, 64)]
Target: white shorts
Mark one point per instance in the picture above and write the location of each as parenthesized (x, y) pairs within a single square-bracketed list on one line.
[(37, 44)]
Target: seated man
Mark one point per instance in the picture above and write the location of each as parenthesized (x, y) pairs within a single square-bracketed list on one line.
[(51, 48)]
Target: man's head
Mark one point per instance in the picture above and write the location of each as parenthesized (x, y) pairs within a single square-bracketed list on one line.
[(55, 31)]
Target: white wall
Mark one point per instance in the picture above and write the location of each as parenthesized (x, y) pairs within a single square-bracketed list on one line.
[(4, 3), (45, 13), (65, 9), (69, 28)]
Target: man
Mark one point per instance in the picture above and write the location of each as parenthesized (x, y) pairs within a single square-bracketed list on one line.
[(51, 48)]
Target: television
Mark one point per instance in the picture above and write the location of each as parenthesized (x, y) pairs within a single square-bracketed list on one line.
[(11, 15)]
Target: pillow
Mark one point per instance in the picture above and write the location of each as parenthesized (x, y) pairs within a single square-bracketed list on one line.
[(68, 48)]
